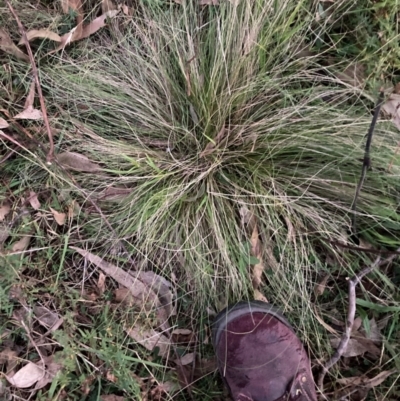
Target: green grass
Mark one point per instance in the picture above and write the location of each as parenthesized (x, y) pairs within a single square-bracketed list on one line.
[(144, 98)]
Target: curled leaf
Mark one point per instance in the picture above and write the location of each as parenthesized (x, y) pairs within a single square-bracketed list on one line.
[(58, 217), (9, 47), (40, 33), (33, 200), (30, 113)]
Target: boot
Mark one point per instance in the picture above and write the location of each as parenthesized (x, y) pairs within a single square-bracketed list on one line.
[(260, 358)]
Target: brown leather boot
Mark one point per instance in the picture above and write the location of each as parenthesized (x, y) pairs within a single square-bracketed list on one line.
[(260, 357)]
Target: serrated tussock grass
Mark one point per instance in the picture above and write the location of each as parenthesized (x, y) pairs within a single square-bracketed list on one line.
[(205, 111)]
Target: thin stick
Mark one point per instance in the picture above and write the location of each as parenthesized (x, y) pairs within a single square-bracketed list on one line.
[(351, 311), (367, 160), (50, 154)]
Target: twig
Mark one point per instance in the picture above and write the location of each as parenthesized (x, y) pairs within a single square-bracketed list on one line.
[(351, 311), (367, 161), (50, 153), (15, 142), (362, 249)]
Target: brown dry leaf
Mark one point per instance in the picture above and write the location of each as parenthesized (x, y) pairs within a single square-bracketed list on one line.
[(112, 397), (392, 108), (9, 357), (107, 5), (3, 123), (150, 339), (98, 23), (59, 217), (183, 332), (365, 381), (52, 368), (41, 33), (149, 294), (27, 376), (187, 358), (29, 112), (22, 244), (77, 162), (101, 283), (319, 287), (48, 319), (8, 46), (4, 210), (258, 268), (114, 194), (74, 5), (82, 32), (33, 200), (354, 347), (259, 296), (212, 144), (353, 75), (127, 11)]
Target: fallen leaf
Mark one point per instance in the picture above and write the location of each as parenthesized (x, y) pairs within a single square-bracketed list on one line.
[(29, 112), (8, 46), (59, 217), (168, 387), (319, 287), (9, 358), (74, 5), (4, 210), (183, 332), (52, 368), (80, 32), (107, 5), (162, 288), (101, 283), (353, 75), (127, 11), (148, 291), (258, 296), (392, 108), (258, 268), (150, 339), (77, 162), (41, 33), (33, 200), (114, 194), (98, 23), (47, 318), (356, 324), (22, 244), (187, 358), (27, 376), (3, 123), (365, 381), (354, 347)]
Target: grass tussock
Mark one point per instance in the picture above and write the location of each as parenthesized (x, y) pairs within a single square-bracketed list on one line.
[(201, 113)]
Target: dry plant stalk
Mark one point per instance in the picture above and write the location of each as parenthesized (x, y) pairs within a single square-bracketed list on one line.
[(50, 153), (351, 311)]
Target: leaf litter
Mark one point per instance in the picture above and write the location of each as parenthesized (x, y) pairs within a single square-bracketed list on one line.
[(29, 112), (77, 162), (150, 292), (9, 47)]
